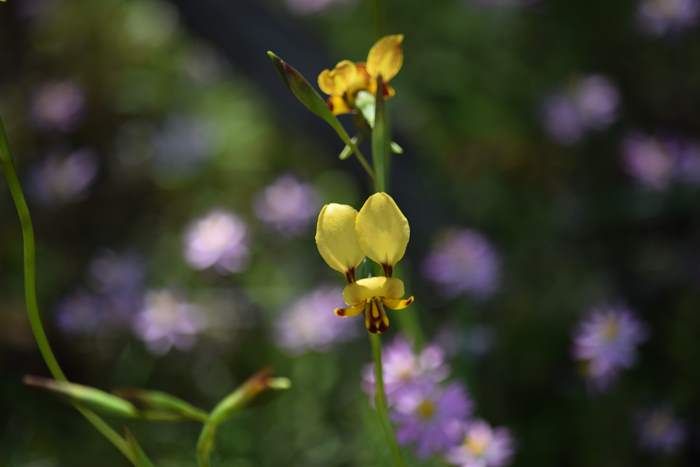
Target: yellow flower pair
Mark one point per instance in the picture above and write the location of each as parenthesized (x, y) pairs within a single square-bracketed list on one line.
[(380, 232), (347, 79)]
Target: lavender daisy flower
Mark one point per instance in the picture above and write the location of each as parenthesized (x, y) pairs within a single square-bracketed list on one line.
[(58, 180), (658, 17), (58, 106), (463, 262), (649, 160), (287, 205), (483, 446), (403, 368), (217, 240), (606, 342), (661, 432), (166, 321), (590, 103), (430, 417), (597, 101), (310, 325)]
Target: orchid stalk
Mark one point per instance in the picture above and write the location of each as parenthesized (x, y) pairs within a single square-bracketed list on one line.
[(379, 231)]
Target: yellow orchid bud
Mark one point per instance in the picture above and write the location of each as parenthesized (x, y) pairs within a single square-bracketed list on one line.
[(385, 57), (382, 230), (336, 239)]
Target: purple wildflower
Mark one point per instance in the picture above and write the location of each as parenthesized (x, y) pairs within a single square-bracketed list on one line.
[(58, 105), (217, 240), (58, 180), (287, 205), (79, 313), (483, 446), (590, 103), (649, 160), (659, 17), (166, 321), (463, 261), (597, 101), (431, 417), (660, 431), (310, 325), (606, 341), (403, 368)]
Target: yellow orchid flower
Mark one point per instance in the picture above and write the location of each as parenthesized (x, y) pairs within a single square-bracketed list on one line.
[(347, 79), (380, 232)]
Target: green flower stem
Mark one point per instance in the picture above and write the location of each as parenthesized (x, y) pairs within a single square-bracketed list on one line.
[(380, 152), (381, 403), (30, 295)]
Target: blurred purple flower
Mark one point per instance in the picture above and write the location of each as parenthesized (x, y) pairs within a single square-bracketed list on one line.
[(591, 103), (483, 446), (649, 160), (463, 261), (166, 321), (217, 240), (287, 205), (431, 417), (58, 105), (308, 7), (114, 273), (660, 431), (561, 119), (606, 341), (403, 368), (79, 313), (119, 280), (58, 180), (310, 325), (597, 101), (658, 17), (688, 163)]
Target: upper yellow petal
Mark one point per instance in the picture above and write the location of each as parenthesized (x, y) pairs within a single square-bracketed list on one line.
[(382, 230), (336, 81), (385, 57), (336, 239)]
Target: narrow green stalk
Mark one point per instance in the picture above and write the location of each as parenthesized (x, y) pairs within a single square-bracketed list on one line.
[(381, 402), (31, 299)]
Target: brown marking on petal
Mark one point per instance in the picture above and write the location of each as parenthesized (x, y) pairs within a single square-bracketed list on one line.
[(350, 275), (388, 270), (339, 312)]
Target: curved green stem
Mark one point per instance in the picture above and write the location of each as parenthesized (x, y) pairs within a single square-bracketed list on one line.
[(30, 297)]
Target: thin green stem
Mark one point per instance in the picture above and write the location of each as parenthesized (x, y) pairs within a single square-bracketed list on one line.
[(30, 296), (381, 402)]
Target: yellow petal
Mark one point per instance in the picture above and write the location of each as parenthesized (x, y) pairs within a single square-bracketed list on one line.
[(336, 81), (397, 304), (338, 105), (336, 239), (371, 287), (350, 311), (385, 57), (382, 230)]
